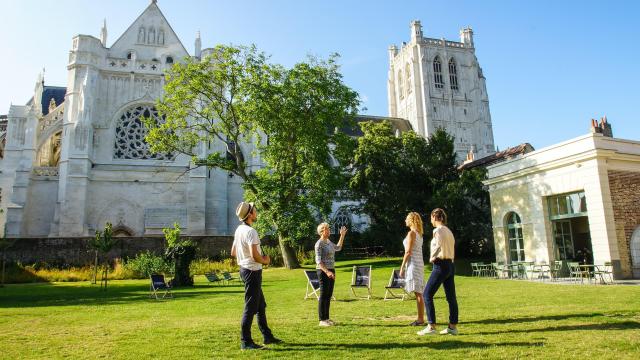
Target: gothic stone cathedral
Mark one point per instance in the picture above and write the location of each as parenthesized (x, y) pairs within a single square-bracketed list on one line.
[(75, 157), (439, 84)]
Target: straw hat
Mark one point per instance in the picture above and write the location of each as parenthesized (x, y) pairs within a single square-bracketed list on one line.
[(243, 210)]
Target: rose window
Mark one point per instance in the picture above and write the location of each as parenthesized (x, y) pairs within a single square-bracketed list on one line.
[(130, 133)]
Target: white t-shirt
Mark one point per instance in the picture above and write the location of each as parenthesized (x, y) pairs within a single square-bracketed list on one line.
[(244, 237)]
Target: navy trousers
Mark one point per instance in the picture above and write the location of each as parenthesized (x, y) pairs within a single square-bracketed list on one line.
[(326, 292), (254, 304), (443, 274)]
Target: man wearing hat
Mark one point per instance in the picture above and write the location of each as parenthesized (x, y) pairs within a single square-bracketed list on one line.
[(246, 249)]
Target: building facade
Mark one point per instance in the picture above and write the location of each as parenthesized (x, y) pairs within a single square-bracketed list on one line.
[(75, 156), (436, 83), (574, 201)]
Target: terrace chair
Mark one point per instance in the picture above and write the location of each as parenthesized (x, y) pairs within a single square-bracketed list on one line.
[(159, 286), (361, 278), (525, 268), (213, 278), (313, 285), (396, 283), (605, 271), (476, 269), (575, 272), (556, 270), (502, 270)]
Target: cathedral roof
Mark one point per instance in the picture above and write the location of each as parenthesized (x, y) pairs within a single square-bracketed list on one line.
[(56, 93)]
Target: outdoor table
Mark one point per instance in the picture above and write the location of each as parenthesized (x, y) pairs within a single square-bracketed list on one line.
[(588, 270), (541, 269)]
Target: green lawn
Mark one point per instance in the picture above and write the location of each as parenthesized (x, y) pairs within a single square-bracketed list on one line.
[(498, 319)]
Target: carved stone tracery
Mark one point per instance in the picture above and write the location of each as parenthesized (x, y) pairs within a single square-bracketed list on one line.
[(130, 134)]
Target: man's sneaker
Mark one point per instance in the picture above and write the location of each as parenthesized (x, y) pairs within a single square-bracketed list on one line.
[(331, 322), (273, 340), (324, 323), (449, 331), (427, 331), (251, 346)]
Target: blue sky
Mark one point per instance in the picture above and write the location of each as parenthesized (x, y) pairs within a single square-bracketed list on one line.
[(550, 66)]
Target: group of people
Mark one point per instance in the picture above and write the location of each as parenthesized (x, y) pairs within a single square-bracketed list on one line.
[(246, 249)]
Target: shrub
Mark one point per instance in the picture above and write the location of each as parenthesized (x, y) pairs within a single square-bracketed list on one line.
[(275, 255), (306, 257), (147, 263), (203, 266)]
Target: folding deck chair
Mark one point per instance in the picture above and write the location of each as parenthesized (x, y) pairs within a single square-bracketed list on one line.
[(158, 285), (213, 277), (226, 276), (313, 285), (396, 283), (361, 278)]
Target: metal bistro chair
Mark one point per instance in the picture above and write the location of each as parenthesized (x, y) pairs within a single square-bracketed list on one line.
[(556, 270), (605, 272), (476, 269), (502, 270), (575, 272)]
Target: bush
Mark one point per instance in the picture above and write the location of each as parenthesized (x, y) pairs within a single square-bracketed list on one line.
[(203, 266), (306, 257), (147, 263), (275, 255)]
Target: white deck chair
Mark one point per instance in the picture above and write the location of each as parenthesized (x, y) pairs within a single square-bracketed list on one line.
[(313, 285), (396, 283), (361, 278)]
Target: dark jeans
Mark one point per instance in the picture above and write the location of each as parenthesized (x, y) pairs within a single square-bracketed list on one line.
[(443, 274), (254, 303), (326, 292)]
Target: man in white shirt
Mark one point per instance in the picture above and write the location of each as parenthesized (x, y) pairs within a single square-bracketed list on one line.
[(246, 249)]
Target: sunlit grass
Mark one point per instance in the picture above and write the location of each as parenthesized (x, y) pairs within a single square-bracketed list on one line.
[(498, 319)]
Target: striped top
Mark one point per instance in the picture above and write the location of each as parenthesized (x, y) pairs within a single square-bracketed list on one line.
[(325, 253)]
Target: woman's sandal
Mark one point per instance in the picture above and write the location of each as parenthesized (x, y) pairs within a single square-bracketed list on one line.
[(417, 323)]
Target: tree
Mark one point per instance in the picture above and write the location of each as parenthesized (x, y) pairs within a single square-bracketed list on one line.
[(395, 175), (102, 243), (181, 253), (5, 244), (235, 97)]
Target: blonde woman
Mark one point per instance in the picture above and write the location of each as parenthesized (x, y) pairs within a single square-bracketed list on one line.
[(412, 260), (325, 265)]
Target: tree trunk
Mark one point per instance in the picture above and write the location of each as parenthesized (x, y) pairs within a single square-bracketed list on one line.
[(95, 269), (288, 254)]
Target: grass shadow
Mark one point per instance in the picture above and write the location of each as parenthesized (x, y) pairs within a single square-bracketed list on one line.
[(441, 345)]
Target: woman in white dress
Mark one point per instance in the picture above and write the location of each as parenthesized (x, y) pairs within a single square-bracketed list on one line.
[(414, 263)]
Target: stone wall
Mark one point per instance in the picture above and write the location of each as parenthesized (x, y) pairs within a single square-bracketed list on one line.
[(625, 196), (74, 251)]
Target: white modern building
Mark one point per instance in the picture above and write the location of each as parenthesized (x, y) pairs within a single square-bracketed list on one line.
[(578, 200), (437, 83)]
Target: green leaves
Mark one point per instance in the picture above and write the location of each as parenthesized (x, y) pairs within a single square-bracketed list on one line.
[(234, 100), (103, 242)]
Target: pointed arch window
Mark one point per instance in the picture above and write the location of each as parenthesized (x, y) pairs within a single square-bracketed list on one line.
[(407, 73), (453, 75), (437, 73), (514, 236), (400, 84)]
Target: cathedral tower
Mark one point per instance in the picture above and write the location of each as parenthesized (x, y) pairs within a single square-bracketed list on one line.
[(438, 83)]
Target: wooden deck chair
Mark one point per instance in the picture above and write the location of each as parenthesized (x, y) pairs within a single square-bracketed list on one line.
[(313, 285), (226, 276), (361, 278), (396, 283), (158, 286)]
